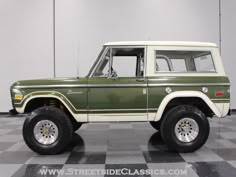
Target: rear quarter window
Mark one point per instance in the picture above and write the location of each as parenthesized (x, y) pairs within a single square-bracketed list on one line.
[(184, 61)]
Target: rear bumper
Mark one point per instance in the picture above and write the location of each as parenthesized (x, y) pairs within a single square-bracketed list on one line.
[(229, 113)]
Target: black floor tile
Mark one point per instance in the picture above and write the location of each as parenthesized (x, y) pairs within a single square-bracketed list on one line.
[(134, 170), (214, 169), (162, 157), (86, 158)]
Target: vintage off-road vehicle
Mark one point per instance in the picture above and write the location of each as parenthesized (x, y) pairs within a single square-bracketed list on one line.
[(173, 85)]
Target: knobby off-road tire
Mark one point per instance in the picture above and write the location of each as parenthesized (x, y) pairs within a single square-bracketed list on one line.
[(47, 130), (179, 127)]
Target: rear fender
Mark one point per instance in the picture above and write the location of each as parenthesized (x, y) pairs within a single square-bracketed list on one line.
[(181, 94)]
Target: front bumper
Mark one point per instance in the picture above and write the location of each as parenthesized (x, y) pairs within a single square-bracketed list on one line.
[(13, 112)]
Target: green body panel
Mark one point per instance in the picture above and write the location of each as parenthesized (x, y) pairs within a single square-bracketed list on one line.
[(115, 97), (157, 93), (74, 97), (98, 95)]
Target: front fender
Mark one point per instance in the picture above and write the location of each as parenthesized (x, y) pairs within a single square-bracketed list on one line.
[(20, 107)]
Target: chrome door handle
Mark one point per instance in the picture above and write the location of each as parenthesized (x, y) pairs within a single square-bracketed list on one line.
[(141, 79)]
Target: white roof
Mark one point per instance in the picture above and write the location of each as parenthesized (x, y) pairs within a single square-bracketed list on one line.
[(161, 43)]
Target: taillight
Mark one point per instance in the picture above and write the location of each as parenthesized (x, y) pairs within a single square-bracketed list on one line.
[(218, 94)]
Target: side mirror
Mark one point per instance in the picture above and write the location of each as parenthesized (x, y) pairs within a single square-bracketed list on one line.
[(113, 75)]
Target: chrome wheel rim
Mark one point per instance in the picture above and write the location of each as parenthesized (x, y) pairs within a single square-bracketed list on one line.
[(46, 132), (186, 130)]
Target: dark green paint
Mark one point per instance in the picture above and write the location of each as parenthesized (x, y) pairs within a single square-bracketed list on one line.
[(112, 97)]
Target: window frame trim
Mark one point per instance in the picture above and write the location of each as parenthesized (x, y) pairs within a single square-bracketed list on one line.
[(119, 46)]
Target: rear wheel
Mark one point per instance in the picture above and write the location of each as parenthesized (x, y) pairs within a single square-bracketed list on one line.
[(47, 130), (185, 128)]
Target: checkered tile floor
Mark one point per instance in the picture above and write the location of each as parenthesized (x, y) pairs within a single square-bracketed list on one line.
[(109, 146)]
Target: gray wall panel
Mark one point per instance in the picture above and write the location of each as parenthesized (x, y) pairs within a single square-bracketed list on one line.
[(228, 43), (25, 43), (82, 26)]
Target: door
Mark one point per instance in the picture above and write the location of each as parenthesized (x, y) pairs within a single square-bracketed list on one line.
[(117, 90)]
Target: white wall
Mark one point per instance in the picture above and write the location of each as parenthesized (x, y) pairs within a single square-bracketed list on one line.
[(229, 44), (25, 43), (82, 26)]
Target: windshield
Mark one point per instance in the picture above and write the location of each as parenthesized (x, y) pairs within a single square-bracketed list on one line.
[(102, 69), (95, 63)]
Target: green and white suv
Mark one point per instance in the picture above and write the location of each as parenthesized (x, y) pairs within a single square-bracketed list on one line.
[(175, 86)]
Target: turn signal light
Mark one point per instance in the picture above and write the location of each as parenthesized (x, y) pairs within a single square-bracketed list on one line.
[(18, 97)]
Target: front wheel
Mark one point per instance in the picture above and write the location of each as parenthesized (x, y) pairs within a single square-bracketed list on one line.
[(185, 128), (47, 130)]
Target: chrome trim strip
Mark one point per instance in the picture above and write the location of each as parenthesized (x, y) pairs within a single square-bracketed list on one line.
[(83, 86), (123, 109), (50, 86), (145, 62), (116, 85), (72, 93), (189, 84), (121, 85), (220, 99)]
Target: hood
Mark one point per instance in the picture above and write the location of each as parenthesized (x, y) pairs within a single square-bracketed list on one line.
[(53, 81)]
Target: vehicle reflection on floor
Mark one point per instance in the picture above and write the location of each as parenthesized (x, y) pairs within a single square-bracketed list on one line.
[(110, 146)]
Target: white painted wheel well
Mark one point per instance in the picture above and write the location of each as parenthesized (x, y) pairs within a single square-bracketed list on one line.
[(186, 94)]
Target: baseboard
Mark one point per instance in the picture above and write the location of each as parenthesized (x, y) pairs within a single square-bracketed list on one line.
[(3, 113)]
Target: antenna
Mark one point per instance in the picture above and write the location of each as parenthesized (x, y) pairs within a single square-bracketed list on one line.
[(78, 64)]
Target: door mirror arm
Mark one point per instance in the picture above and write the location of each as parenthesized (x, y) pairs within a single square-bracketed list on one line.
[(113, 75)]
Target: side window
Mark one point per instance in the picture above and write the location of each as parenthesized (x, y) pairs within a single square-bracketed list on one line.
[(124, 66), (121, 62), (184, 61), (162, 65), (179, 65), (127, 62), (204, 63)]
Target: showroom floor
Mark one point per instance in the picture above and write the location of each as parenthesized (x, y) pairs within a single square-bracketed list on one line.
[(129, 146)]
